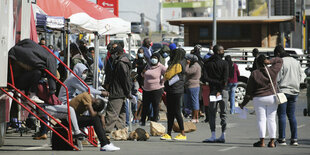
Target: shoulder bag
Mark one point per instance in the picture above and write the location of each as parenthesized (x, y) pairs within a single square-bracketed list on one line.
[(281, 98)]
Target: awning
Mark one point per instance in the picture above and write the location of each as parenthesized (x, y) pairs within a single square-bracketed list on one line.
[(239, 20), (84, 16)]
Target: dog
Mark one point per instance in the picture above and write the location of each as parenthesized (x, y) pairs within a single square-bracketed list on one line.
[(139, 134)]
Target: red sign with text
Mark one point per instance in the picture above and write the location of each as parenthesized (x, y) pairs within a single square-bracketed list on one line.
[(111, 5)]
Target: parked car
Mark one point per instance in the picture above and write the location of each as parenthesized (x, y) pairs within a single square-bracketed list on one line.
[(243, 57), (178, 40), (203, 52), (136, 27), (157, 46)]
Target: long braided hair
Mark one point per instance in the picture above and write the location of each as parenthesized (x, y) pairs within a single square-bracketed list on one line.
[(176, 56)]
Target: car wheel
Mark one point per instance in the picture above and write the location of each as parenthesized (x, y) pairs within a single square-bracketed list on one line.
[(2, 132), (240, 92)]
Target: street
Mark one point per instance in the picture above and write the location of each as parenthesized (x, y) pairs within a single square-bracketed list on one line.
[(241, 134)]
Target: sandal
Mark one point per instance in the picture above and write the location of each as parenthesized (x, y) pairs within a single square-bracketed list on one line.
[(258, 144), (270, 144)]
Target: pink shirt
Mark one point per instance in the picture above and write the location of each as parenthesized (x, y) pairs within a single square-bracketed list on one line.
[(153, 77)]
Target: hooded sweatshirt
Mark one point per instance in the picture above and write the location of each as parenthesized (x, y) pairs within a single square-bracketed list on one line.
[(120, 83), (73, 84)]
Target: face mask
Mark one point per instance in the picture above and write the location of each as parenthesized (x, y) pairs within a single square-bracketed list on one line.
[(154, 61), (165, 55), (140, 55), (83, 77)]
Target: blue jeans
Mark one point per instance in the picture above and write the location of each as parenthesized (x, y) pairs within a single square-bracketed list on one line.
[(231, 90), (288, 109)]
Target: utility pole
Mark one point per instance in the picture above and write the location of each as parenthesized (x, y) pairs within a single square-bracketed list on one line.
[(214, 23), (269, 8)]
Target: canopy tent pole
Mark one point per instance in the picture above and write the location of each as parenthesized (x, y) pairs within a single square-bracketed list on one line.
[(68, 51), (96, 62), (129, 101)]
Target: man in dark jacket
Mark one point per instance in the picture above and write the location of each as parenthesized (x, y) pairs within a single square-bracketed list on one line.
[(119, 89), (148, 52), (32, 59), (216, 73)]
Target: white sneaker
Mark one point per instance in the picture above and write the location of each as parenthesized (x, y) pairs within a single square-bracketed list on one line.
[(36, 99), (109, 147)]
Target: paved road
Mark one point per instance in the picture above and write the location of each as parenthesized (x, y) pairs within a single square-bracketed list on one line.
[(241, 134)]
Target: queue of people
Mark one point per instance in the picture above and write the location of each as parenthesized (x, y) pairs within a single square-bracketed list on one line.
[(189, 81)]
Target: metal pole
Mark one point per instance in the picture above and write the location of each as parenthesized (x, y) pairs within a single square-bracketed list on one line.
[(95, 78), (269, 8), (68, 52), (128, 101), (214, 23)]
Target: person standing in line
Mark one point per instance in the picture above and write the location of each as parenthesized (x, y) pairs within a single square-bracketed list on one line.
[(152, 88), (174, 87), (147, 48), (291, 69), (255, 55), (259, 89), (232, 82), (119, 89), (192, 84), (140, 64), (216, 74)]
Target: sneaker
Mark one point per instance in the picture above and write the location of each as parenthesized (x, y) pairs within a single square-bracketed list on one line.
[(180, 137), (36, 99), (210, 140), (281, 142), (195, 121), (79, 136), (165, 137), (294, 143), (220, 140), (109, 147), (43, 137)]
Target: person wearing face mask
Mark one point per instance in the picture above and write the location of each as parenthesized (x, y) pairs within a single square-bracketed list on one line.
[(192, 84), (216, 74), (164, 54), (74, 84), (140, 64), (84, 102), (152, 88), (147, 48), (119, 89)]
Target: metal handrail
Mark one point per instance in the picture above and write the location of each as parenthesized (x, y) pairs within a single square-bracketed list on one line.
[(67, 67), (70, 143), (68, 105)]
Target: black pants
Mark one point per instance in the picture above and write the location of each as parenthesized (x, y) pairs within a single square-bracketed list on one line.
[(151, 97), (85, 121), (174, 111), (28, 81)]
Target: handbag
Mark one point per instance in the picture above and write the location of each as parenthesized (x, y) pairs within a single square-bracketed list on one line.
[(281, 98)]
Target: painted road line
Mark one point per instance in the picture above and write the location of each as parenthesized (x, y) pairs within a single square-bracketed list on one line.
[(300, 126), (227, 149), (36, 148)]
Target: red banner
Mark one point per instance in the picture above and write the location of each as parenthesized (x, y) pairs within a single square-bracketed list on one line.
[(111, 5)]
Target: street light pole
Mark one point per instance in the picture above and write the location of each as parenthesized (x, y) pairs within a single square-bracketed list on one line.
[(269, 8), (214, 23)]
